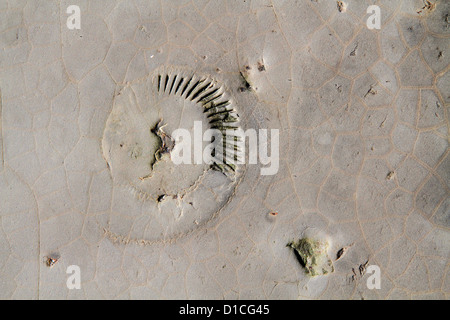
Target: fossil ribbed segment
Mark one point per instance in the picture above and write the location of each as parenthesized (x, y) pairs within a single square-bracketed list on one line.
[(216, 103)]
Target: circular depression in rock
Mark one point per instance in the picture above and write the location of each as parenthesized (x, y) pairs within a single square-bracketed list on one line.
[(138, 145)]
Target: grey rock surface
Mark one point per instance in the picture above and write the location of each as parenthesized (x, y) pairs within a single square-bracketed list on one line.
[(363, 120)]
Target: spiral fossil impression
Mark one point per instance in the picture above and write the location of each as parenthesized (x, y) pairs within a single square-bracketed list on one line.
[(138, 143)]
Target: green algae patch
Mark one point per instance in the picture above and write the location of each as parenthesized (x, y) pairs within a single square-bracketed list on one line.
[(312, 255)]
